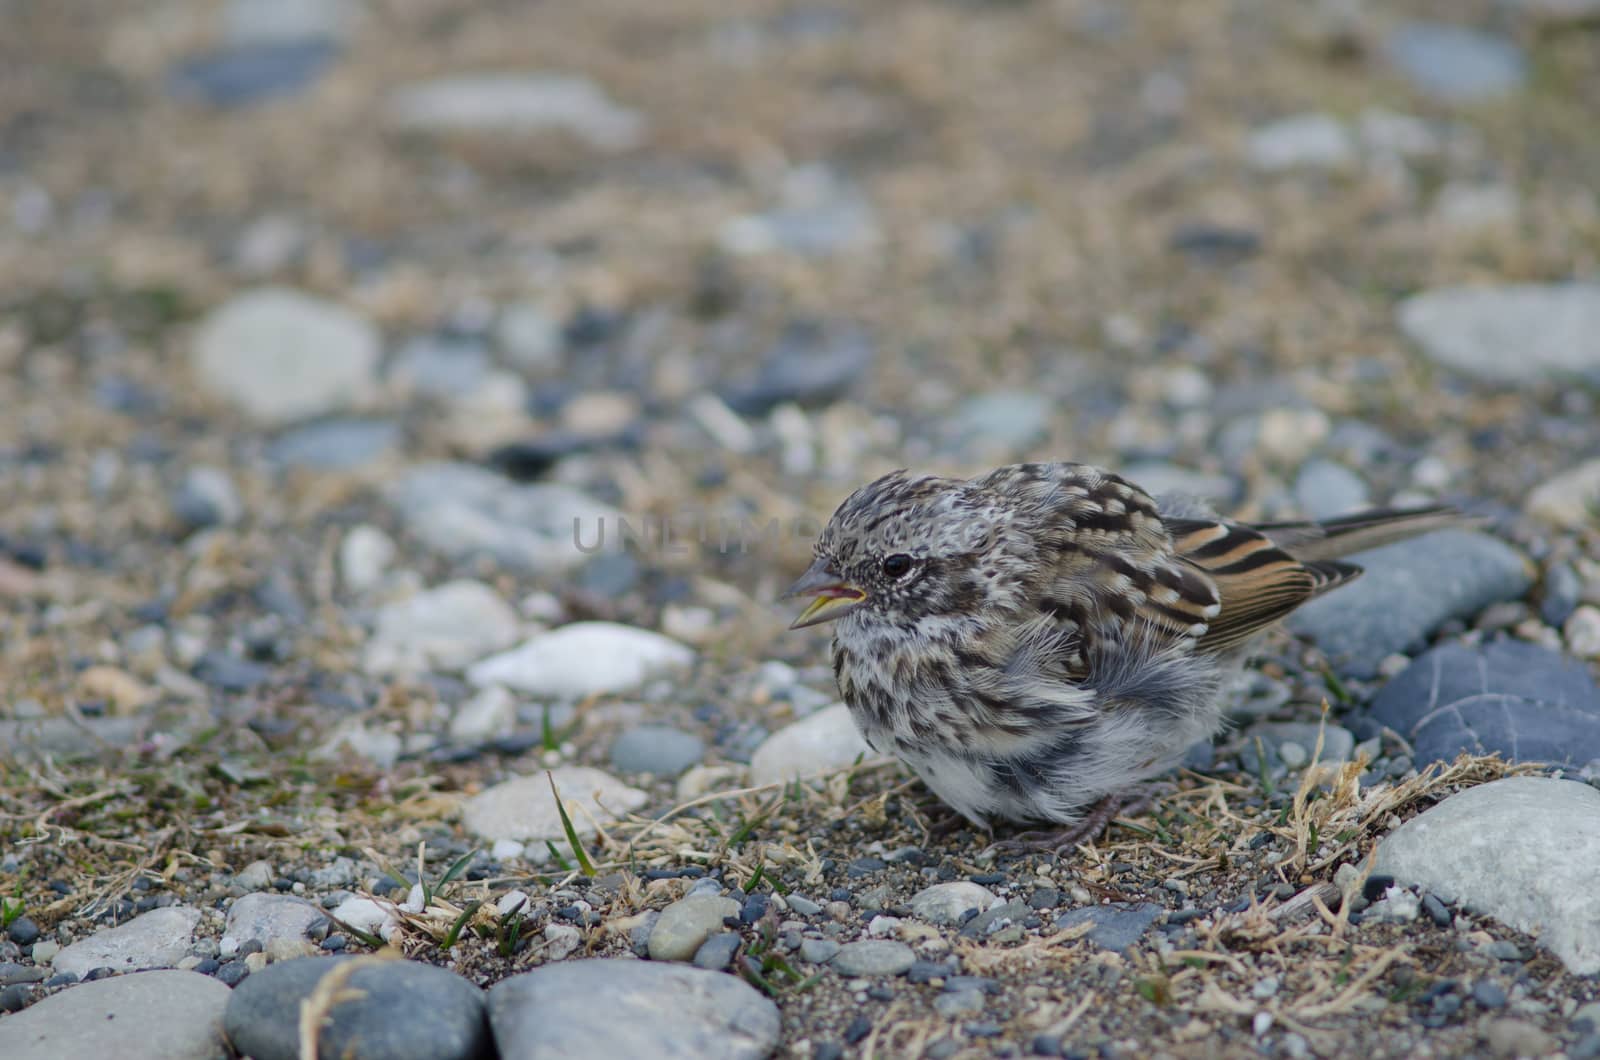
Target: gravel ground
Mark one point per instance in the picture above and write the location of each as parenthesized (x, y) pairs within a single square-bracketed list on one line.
[(409, 411)]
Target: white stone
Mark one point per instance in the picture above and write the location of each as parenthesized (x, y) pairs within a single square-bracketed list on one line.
[(1304, 141), (487, 715), (444, 628), (582, 659), (1582, 632), (379, 746), (364, 914), (364, 555), (518, 104), (1519, 334), (282, 356), (256, 22), (1570, 498), (944, 903), (1472, 209), (1524, 850), (821, 743), (157, 939), (264, 917), (529, 336), (524, 809), (1385, 132)]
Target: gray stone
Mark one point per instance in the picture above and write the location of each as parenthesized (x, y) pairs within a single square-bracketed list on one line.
[(1571, 498), (1524, 850), (819, 951), (277, 21), (444, 628), (1554, 329), (508, 104), (582, 659), (1324, 489), (63, 737), (1004, 422), (523, 808), (1338, 744), (821, 743), (716, 952), (656, 749), (442, 368), (161, 1015), (207, 497), (1455, 64), (1116, 927), (282, 356), (873, 957), (462, 511), (395, 1010), (944, 903), (1304, 141), (663, 1011), (687, 923), (818, 214), (246, 74), (1523, 701), (809, 365), (1169, 481), (264, 917), (335, 445), (529, 337), (1409, 590), (157, 939)]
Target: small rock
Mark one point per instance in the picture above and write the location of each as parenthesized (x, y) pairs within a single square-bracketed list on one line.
[(256, 876), (1489, 994), (157, 939), (160, 1015), (873, 957), (1524, 850), (560, 941), (1004, 422), (1455, 64), (716, 952), (248, 74), (656, 749), (523, 808), (819, 951), (517, 105), (1519, 1038), (819, 214), (439, 367), (1582, 632), (395, 1009), (341, 444), (529, 337), (821, 743), (444, 628), (1553, 328), (1324, 489), (263, 917), (126, 693), (1304, 141), (582, 659), (282, 356), (810, 365), (662, 1011), (1116, 927), (364, 554), (685, 925), (489, 714), (207, 498), (944, 903)]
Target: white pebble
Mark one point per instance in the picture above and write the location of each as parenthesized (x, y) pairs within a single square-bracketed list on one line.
[(1582, 631)]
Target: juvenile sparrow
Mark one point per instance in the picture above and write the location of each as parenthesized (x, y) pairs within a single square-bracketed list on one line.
[(1034, 641)]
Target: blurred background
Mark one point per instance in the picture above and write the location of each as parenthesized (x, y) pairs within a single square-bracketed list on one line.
[(460, 272)]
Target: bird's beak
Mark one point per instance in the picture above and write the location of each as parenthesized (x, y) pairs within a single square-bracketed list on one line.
[(832, 596)]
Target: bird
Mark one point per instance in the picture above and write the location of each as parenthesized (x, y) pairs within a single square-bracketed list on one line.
[(1037, 641)]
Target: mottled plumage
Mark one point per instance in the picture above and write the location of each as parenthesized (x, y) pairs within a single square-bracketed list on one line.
[(1043, 636)]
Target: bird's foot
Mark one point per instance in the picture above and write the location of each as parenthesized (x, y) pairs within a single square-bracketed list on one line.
[(1086, 829)]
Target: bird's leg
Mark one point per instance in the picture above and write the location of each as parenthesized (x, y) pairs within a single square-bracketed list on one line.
[(1089, 827)]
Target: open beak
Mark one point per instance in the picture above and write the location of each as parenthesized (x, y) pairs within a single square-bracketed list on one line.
[(832, 596)]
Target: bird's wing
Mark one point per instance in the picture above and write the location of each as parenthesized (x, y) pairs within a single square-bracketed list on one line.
[(1258, 581)]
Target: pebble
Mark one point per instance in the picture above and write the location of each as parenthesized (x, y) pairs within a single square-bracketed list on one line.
[(582, 659), (256, 876), (523, 808), (248, 74), (686, 924), (1410, 589), (819, 951), (395, 1010), (282, 356), (1455, 64), (1436, 910), (663, 1011), (944, 903), (819, 214), (529, 337), (716, 952), (1003, 422), (518, 104), (157, 939), (1552, 327), (276, 21), (659, 750), (264, 917), (159, 1015), (1117, 926), (1303, 141), (1560, 594), (1582, 632), (461, 511), (444, 628), (1524, 850), (1519, 1038), (1338, 744), (342, 444), (205, 498), (365, 553), (823, 742), (1489, 994), (810, 365), (1324, 489), (873, 957), (439, 366), (1510, 697), (487, 715)]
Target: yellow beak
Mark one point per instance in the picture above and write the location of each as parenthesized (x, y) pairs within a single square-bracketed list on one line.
[(833, 597)]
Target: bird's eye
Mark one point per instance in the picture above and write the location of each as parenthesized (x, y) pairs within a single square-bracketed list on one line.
[(897, 565)]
